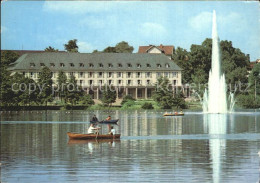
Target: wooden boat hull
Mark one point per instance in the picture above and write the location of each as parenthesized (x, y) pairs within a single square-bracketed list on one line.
[(96, 141), (173, 115), (106, 122), (79, 136)]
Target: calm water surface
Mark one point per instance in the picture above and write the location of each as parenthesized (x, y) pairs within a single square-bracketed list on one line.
[(194, 148)]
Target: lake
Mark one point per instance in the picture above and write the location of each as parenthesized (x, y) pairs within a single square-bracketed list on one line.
[(194, 148)]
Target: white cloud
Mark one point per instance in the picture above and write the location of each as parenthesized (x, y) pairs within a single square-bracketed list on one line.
[(232, 21), (78, 7), (85, 47), (201, 22), (3, 29), (151, 30)]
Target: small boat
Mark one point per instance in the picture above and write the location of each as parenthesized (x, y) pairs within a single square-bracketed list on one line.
[(106, 121), (170, 114), (92, 136), (97, 141)]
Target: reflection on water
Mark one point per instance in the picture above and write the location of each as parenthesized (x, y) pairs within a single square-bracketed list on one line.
[(217, 125), (153, 148)]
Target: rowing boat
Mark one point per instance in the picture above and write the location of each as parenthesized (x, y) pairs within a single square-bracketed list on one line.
[(173, 114), (97, 141), (92, 136), (106, 121)]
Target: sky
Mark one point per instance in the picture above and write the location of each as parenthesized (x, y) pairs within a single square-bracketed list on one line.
[(35, 25)]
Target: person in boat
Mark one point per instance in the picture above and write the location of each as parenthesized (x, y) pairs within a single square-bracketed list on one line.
[(108, 118), (181, 112), (112, 131), (92, 129), (94, 118), (176, 113)]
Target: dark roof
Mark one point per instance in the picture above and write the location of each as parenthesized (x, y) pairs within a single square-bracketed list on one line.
[(21, 52), (167, 50), (24, 62)]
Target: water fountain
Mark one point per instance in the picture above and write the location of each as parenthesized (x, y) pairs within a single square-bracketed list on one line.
[(215, 99)]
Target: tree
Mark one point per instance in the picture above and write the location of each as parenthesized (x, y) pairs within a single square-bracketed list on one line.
[(126, 99), (62, 85), (162, 94), (74, 91), (51, 49), (123, 47), (6, 93), (86, 100), (181, 58), (108, 96), (71, 46), (45, 83)]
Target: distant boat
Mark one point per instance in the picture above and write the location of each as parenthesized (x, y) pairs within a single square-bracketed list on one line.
[(171, 114), (106, 121), (83, 141), (79, 136)]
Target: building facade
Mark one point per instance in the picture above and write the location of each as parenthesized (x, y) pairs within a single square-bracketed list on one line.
[(162, 49), (128, 73)]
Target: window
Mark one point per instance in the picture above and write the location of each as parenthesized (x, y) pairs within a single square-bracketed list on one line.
[(24, 73), (110, 82), (139, 66), (110, 65), (100, 65), (91, 65), (119, 82), (52, 64), (129, 82), (148, 82), (100, 74), (174, 82), (119, 74), (81, 65), (159, 74), (129, 65), (174, 74), (139, 82), (138, 74), (159, 65), (71, 64), (148, 65), (148, 74), (129, 74), (90, 74), (42, 64), (119, 65), (31, 74), (110, 74), (62, 65), (81, 74), (81, 82), (166, 74), (167, 65), (91, 82), (32, 64), (100, 82), (71, 73)]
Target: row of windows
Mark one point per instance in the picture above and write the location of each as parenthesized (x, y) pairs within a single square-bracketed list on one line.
[(101, 65), (112, 74), (120, 82)]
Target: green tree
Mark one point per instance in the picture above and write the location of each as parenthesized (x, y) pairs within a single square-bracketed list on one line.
[(71, 46), (6, 93), (162, 94), (45, 83), (181, 58), (123, 47), (51, 49), (108, 96), (126, 99), (86, 100), (74, 91), (62, 85), (110, 49)]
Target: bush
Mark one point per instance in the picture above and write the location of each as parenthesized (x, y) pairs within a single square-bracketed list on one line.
[(147, 105), (127, 98), (248, 101)]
